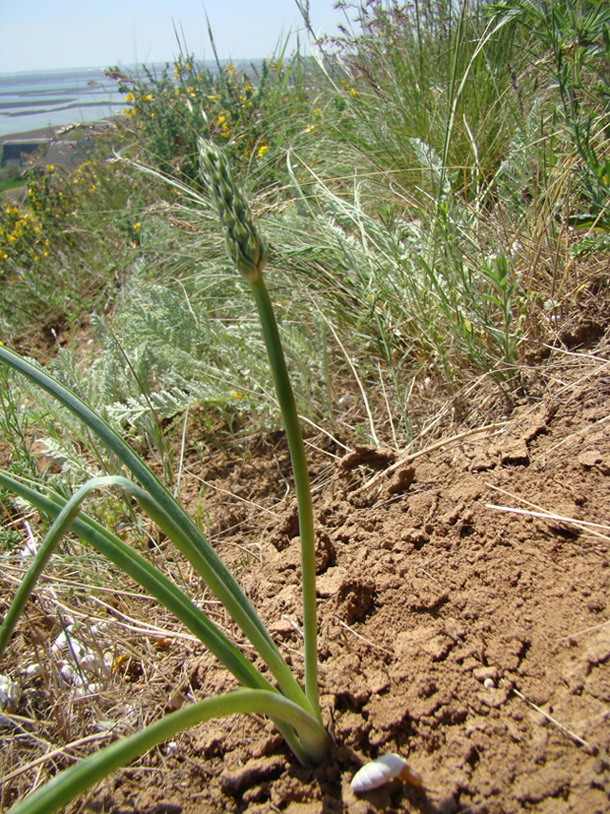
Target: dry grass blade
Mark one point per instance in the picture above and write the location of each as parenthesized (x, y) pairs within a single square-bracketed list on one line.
[(592, 750), (63, 751), (554, 518), (539, 512)]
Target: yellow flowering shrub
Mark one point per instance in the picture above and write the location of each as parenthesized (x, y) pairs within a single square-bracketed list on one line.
[(22, 243), (169, 112), (28, 231)]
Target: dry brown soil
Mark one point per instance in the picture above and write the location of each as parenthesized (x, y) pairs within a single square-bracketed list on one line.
[(474, 642)]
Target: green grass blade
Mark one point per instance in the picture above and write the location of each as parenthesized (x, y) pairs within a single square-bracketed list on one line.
[(186, 535), (59, 528), (156, 584), (77, 779), (150, 578)]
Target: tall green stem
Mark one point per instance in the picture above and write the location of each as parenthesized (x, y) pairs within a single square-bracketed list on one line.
[(294, 436)]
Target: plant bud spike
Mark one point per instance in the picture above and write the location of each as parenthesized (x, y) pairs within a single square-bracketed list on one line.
[(242, 236), (384, 770)]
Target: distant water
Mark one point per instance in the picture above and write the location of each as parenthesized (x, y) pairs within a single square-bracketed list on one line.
[(33, 100), (38, 99)]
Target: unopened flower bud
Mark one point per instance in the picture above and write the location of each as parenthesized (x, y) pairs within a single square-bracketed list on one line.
[(242, 237)]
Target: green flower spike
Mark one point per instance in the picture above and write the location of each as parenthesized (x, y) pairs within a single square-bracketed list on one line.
[(242, 236)]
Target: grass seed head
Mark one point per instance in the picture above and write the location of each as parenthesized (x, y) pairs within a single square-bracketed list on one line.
[(242, 237)]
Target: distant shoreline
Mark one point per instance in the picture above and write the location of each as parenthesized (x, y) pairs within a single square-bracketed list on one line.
[(42, 132), (53, 131)]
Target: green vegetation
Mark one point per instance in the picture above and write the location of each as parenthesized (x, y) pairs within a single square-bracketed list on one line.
[(434, 191), (11, 178)]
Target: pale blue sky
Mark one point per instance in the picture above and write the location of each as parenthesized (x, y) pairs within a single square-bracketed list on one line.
[(46, 34)]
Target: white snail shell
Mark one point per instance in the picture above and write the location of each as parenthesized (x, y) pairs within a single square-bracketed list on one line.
[(382, 771)]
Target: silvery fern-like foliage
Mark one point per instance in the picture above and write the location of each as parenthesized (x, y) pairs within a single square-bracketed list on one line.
[(514, 176), (74, 467), (169, 348), (134, 411)]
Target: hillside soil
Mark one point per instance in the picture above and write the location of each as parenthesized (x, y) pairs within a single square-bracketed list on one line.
[(474, 642)]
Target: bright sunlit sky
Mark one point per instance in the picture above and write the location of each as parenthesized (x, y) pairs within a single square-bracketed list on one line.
[(47, 34)]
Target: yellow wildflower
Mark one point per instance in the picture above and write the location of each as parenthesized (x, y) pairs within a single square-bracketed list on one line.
[(50, 168), (137, 226), (221, 121), (237, 395), (353, 92), (262, 150), (130, 97)]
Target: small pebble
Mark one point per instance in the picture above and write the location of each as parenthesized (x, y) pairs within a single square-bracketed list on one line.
[(489, 684), (88, 689), (10, 693)]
